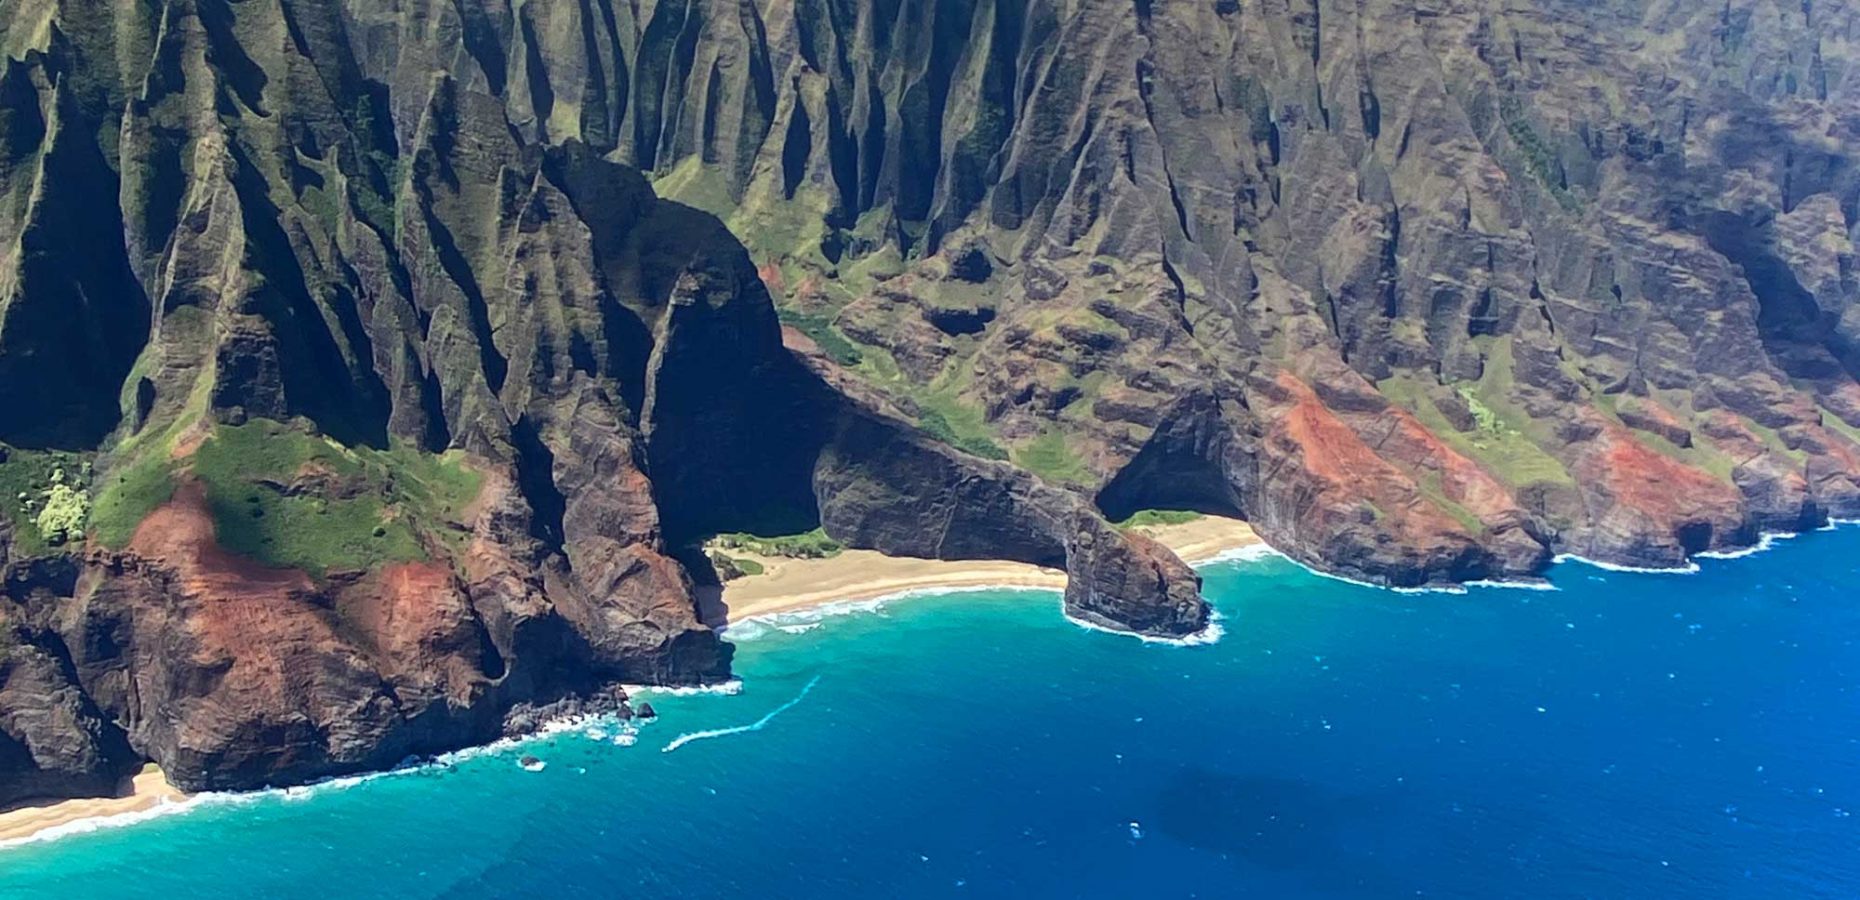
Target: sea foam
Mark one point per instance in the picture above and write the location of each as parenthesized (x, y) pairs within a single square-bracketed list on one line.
[(725, 688), (1765, 541), (1248, 553), (1208, 635), (757, 725), (161, 809), (1690, 568), (582, 723)]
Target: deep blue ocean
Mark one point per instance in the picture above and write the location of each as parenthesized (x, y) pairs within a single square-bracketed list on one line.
[(1624, 736)]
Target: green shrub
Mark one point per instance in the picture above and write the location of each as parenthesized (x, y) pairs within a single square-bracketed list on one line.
[(1148, 518), (44, 495), (63, 516), (935, 424), (813, 544), (820, 329)]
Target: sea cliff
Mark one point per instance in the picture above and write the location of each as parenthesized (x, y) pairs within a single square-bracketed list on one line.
[(369, 374)]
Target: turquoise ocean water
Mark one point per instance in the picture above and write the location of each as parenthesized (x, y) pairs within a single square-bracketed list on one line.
[(1627, 735)]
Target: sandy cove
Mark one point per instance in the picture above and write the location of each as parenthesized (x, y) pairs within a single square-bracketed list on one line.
[(786, 585), (145, 791), (790, 585)]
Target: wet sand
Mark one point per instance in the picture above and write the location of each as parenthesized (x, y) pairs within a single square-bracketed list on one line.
[(146, 790)]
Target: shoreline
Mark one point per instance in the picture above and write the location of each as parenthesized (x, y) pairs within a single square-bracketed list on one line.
[(31, 820), (852, 576), (786, 586)]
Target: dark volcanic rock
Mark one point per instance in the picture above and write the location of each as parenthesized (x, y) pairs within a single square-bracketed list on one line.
[(380, 232), (54, 742), (890, 488), (1127, 581), (1500, 219), (1427, 292)]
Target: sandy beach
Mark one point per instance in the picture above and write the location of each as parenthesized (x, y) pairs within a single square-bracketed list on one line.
[(148, 789), (788, 585)]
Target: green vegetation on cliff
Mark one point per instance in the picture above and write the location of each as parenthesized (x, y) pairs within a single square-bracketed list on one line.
[(1508, 440), (947, 418), (287, 498), (127, 495), (820, 329), (1836, 423), (44, 495), (937, 424), (1539, 157), (1049, 457), (1703, 454), (807, 545), (1498, 444), (1150, 518)]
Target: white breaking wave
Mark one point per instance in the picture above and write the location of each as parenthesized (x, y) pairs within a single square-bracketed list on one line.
[(757, 725), (1537, 584), (1765, 541), (301, 793), (1430, 589), (726, 688), (168, 807), (1211, 634), (797, 621), (752, 627), (1688, 569), (1248, 553), (100, 823)]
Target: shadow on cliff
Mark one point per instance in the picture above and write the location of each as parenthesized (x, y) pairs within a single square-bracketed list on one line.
[(1183, 466), (744, 432)]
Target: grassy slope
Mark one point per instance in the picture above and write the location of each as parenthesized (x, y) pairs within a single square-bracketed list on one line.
[(353, 508), (364, 507), (128, 495), (1502, 448), (1049, 457)]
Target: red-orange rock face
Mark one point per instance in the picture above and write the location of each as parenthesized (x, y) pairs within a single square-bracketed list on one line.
[(1325, 479)]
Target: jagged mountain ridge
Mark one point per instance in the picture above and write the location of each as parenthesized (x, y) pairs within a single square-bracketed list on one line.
[(1495, 280), (1427, 291), (359, 425)]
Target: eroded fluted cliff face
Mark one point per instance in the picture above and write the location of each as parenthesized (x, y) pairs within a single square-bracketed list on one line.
[(1425, 289), (357, 414)]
